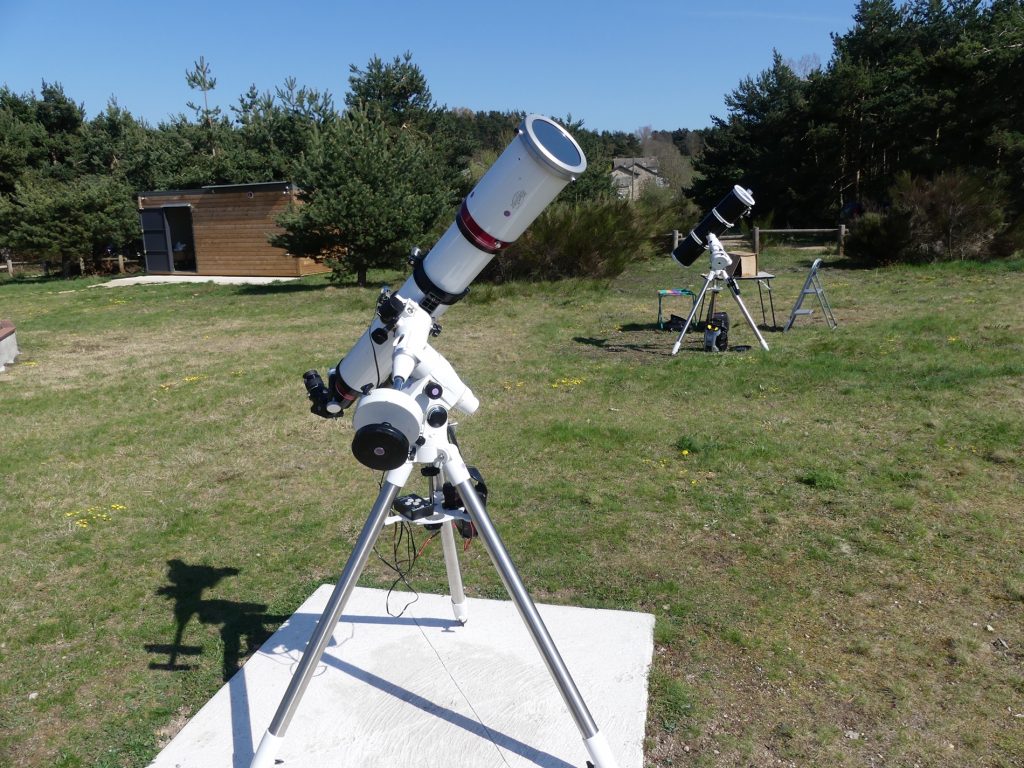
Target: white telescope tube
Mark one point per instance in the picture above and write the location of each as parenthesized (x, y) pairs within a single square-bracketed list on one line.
[(523, 181)]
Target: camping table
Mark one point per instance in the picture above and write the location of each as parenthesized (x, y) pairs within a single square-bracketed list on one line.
[(764, 281)]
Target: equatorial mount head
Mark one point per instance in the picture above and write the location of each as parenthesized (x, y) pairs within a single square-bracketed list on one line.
[(407, 420), (720, 259)]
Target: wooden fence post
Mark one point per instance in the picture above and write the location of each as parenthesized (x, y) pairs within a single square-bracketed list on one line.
[(10, 268), (842, 238), (757, 241), (120, 263)]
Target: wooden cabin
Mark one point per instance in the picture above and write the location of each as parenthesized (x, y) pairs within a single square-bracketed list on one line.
[(219, 230)]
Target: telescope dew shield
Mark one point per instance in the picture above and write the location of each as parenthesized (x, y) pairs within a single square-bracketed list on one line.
[(722, 216), (523, 181)]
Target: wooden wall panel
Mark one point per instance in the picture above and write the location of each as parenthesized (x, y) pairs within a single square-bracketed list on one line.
[(230, 230)]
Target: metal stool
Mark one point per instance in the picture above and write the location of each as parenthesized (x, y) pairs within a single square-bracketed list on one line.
[(663, 292)]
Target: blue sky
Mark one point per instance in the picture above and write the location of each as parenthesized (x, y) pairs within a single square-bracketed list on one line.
[(616, 65)]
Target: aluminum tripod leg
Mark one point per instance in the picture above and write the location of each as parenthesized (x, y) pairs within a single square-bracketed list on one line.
[(593, 739), (697, 303), (451, 564), (735, 289), (451, 557), (271, 741)]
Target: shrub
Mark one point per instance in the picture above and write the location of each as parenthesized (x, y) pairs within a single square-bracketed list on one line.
[(877, 239), (593, 238), (589, 239), (661, 211), (953, 217)]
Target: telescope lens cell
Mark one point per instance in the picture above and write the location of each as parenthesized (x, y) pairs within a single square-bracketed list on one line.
[(557, 142), (688, 250), (550, 143)]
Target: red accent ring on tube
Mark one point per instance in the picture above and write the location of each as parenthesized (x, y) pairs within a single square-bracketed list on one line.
[(475, 233), (344, 391)]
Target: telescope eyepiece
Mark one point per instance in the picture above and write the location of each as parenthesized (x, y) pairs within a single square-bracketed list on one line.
[(320, 396), (315, 386)]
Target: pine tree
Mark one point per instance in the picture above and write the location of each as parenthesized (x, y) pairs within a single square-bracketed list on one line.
[(369, 194)]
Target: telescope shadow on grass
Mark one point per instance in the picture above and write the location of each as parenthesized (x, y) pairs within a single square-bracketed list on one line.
[(244, 627), (271, 289), (633, 338)]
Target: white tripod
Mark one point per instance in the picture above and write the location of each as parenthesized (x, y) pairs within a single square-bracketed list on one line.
[(426, 385), (720, 263)]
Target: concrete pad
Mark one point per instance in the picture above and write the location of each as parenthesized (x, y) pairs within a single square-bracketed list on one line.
[(423, 691), (120, 282)]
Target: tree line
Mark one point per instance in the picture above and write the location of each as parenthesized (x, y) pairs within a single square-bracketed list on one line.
[(384, 170), (913, 131)]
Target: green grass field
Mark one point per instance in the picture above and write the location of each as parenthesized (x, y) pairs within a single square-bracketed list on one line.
[(829, 533)]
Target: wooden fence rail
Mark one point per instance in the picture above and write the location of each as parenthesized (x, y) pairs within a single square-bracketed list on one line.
[(839, 232), (10, 264)]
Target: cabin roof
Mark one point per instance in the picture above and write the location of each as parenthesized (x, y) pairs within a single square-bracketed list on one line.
[(211, 189)]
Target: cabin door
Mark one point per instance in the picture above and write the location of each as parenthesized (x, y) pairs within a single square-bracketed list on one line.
[(155, 241), (179, 229), (167, 237)]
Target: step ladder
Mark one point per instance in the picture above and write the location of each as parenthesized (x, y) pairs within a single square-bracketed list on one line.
[(812, 287)]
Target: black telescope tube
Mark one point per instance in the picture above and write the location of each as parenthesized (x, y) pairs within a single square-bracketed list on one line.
[(722, 216)]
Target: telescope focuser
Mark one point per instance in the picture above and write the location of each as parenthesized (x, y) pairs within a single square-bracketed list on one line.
[(324, 405)]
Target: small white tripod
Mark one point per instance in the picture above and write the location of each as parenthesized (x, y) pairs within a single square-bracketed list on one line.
[(720, 263), (426, 387)]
